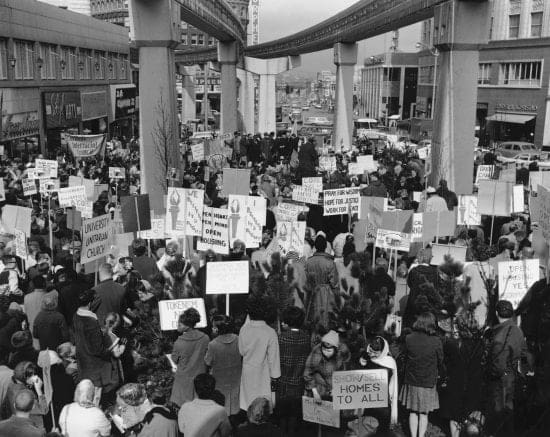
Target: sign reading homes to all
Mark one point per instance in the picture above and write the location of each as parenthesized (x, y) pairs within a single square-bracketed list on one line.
[(94, 105), (62, 109)]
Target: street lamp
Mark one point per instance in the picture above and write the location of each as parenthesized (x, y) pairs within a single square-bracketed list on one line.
[(12, 61), (40, 63), (435, 54), (81, 65)]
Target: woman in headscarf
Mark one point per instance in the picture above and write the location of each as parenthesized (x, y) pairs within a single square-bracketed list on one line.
[(259, 425), (377, 356)]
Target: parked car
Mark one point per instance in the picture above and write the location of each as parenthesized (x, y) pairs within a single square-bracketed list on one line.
[(319, 121), (515, 149)]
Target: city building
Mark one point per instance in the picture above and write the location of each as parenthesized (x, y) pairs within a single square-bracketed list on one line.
[(514, 74), (388, 86), (112, 11), (80, 6), (326, 88), (52, 82)]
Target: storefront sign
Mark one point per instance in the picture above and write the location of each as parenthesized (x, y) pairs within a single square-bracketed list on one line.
[(84, 146), (62, 109), (24, 124), (125, 102), (510, 107), (94, 105)]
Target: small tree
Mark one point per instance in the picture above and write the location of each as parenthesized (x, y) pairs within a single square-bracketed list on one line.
[(164, 138)]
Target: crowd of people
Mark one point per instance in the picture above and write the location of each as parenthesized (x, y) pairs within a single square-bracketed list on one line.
[(82, 352)]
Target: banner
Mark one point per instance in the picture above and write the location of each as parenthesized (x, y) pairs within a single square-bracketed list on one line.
[(320, 412), (85, 146), (467, 211), (360, 389), (29, 187), (393, 240), (20, 244), (544, 211), (184, 211), (515, 278), (291, 237), (305, 194), (117, 172), (72, 196), (315, 182), (197, 152), (341, 201), (327, 163), (215, 230), (96, 239), (46, 168), (227, 277), (170, 311)]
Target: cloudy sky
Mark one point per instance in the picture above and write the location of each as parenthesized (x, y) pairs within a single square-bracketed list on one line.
[(279, 18)]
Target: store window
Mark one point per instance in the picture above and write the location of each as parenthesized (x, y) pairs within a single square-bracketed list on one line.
[(211, 42), (23, 52), (3, 59), (536, 24), (484, 77), (201, 39), (513, 26), (48, 56), (522, 74), (193, 39), (68, 62), (184, 38)]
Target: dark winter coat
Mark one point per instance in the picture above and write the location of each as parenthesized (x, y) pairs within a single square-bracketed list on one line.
[(423, 359), (50, 329)]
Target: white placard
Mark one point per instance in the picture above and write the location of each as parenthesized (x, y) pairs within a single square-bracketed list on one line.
[(291, 237), (2, 191), (72, 196), (47, 185), (170, 311), (320, 412), (485, 173), (417, 227), (117, 172), (86, 210), (457, 253), (367, 163), (354, 168), (255, 220), (20, 244), (341, 201), (96, 238), (288, 212), (197, 152), (29, 187), (156, 232), (215, 231), (518, 203), (467, 211), (184, 211), (393, 240), (48, 167), (305, 194), (227, 277), (237, 210), (360, 389), (515, 278), (313, 182), (544, 211), (327, 163)]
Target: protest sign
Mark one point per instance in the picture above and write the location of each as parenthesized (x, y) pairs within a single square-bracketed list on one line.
[(417, 227), (46, 168), (291, 237), (544, 211), (16, 217), (156, 232), (314, 182), (537, 178), (423, 153), (417, 196), (485, 173), (88, 184), (373, 205), (367, 163), (288, 212), (494, 198), (136, 213), (393, 324), (507, 175), (34, 173), (72, 196), (341, 201), (515, 278), (445, 223), (305, 194), (46, 186), (20, 244), (85, 146), (457, 253), (255, 220), (227, 277), (399, 221), (359, 389), (29, 187), (518, 198), (354, 168), (320, 412), (235, 181), (184, 211), (393, 240), (467, 211), (100, 188), (197, 152), (2, 191), (237, 218), (117, 172), (87, 210), (96, 233), (327, 163), (170, 311), (534, 208), (74, 219), (215, 231)]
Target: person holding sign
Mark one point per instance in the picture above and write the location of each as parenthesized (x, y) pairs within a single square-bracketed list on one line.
[(423, 365), (188, 354)]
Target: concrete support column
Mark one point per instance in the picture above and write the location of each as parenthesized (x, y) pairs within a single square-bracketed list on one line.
[(345, 58), (188, 98), (460, 30), (268, 69), (246, 100), (154, 28), (227, 58)]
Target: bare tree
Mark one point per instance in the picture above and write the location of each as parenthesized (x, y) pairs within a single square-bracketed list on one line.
[(165, 141)]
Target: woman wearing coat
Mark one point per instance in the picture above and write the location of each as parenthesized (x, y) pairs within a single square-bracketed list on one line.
[(225, 361), (188, 354), (423, 365), (259, 347)]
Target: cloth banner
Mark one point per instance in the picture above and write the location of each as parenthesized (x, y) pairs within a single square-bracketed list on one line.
[(85, 146)]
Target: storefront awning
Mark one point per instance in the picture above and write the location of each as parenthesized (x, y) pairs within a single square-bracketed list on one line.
[(504, 117)]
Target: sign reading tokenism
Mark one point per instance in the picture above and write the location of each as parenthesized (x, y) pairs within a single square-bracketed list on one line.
[(84, 146), (170, 311), (96, 235), (360, 389)]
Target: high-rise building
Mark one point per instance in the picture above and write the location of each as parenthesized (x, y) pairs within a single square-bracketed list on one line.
[(514, 75), (113, 11), (80, 6)]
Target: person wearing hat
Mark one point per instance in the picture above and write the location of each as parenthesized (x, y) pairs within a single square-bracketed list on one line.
[(376, 187), (21, 342), (326, 358), (435, 203), (506, 351)]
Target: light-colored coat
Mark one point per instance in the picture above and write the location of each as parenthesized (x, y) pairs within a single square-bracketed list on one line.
[(259, 347)]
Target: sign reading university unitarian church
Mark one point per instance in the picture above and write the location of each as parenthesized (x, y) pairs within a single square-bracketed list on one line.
[(96, 236)]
